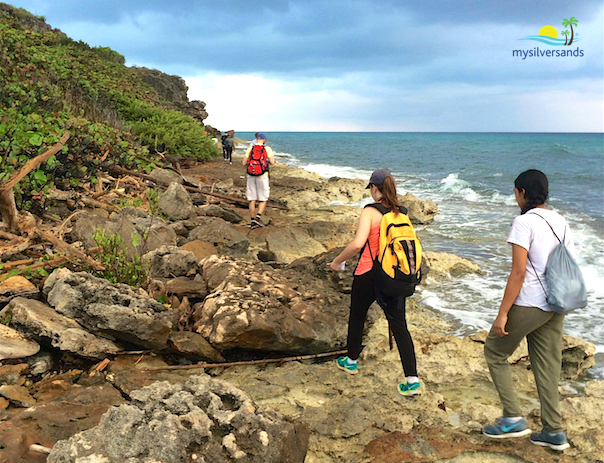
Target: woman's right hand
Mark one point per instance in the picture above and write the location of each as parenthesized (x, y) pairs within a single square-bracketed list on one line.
[(335, 267), (499, 325)]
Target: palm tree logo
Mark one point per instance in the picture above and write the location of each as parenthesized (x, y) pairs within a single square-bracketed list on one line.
[(570, 22), (549, 35)]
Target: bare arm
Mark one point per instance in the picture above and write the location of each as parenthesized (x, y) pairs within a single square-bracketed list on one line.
[(512, 289), (246, 156), (359, 240), (271, 155)]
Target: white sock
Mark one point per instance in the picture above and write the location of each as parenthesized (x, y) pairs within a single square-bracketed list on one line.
[(412, 379), (513, 419), (349, 361)]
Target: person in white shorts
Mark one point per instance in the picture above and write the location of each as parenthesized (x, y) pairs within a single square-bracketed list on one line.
[(257, 159)]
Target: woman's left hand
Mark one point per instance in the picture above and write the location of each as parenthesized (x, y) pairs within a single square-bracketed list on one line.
[(499, 325)]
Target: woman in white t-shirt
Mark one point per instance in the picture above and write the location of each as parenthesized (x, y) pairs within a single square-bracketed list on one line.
[(524, 312)]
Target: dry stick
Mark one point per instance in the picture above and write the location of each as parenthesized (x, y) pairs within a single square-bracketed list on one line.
[(245, 362), (234, 199), (68, 248)]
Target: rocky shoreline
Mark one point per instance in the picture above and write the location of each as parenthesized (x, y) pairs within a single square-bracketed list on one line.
[(233, 294)]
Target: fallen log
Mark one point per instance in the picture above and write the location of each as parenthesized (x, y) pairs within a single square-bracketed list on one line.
[(246, 362), (234, 199)]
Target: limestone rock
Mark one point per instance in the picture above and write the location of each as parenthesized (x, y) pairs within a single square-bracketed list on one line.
[(165, 177), (200, 248), (222, 235), (253, 306), (16, 286), (202, 419), (10, 374), (292, 243), (420, 211), (444, 265), (131, 224), (224, 212), (37, 320), (13, 345), (194, 345), (176, 203), (17, 395), (182, 286), (170, 262), (117, 310)]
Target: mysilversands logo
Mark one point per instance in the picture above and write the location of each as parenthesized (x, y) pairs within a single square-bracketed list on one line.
[(549, 36)]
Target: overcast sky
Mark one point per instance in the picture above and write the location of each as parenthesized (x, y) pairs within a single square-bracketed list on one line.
[(359, 65)]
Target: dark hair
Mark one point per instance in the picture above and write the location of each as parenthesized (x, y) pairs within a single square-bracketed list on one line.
[(535, 186), (389, 197)]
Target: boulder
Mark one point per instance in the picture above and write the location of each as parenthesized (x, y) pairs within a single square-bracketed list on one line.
[(139, 231), (194, 345), (253, 306), (292, 243), (441, 265), (170, 262), (17, 395), (204, 419), (222, 235), (16, 286), (183, 286), (332, 234), (224, 212), (420, 211), (12, 374), (39, 321), (165, 177), (200, 248), (117, 310), (175, 203), (13, 345)]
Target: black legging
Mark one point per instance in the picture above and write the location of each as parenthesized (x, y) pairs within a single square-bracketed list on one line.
[(363, 295), (229, 153)]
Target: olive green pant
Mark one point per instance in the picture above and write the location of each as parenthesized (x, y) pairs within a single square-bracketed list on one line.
[(543, 331)]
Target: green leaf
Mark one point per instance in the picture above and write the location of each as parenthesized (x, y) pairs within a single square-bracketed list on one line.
[(36, 139)]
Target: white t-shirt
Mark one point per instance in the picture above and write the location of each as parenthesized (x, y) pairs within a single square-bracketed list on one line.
[(534, 234)]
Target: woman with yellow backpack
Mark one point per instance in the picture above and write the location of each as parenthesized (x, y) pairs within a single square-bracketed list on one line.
[(366, 288)]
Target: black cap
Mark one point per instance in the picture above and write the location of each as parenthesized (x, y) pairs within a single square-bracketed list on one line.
[(378, 177)]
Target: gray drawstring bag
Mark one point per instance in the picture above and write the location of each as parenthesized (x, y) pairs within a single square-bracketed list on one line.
[(564, 279)]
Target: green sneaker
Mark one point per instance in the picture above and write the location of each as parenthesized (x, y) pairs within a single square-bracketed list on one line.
[(409, 389), (352, 368)]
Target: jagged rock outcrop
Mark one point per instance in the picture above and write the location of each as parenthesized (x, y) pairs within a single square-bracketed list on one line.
[(222, 235), (174, 90), (115, 310), (444, 265), (420, 211), (253, 306), (292, 243), (204, 419)]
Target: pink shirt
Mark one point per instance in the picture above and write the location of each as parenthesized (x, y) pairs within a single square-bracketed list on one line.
[(369, 251)]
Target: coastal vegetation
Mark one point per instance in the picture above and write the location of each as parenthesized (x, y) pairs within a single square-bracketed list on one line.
[(52, 84)]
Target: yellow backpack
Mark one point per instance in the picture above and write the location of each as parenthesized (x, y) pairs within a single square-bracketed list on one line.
[(397, 267)]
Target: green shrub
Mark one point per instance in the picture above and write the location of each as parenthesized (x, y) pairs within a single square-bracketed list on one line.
[(120, 268)]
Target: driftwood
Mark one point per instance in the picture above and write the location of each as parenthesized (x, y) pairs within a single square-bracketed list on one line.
[(69, 249), (246, 362), (234, 199), (8, 208)]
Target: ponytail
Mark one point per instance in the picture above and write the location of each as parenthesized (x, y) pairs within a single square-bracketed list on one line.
[(389, 197), (535, 186)]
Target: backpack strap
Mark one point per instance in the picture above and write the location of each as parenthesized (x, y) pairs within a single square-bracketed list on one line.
[(384, 210), (552, 229)]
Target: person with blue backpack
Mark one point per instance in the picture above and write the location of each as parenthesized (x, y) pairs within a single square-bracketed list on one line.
[(526, 310), (365, 287)]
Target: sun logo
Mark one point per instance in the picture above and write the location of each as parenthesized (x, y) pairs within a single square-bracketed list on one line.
[(549, 34)]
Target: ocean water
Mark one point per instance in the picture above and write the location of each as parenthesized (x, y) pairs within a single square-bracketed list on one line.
[(470, 176)]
